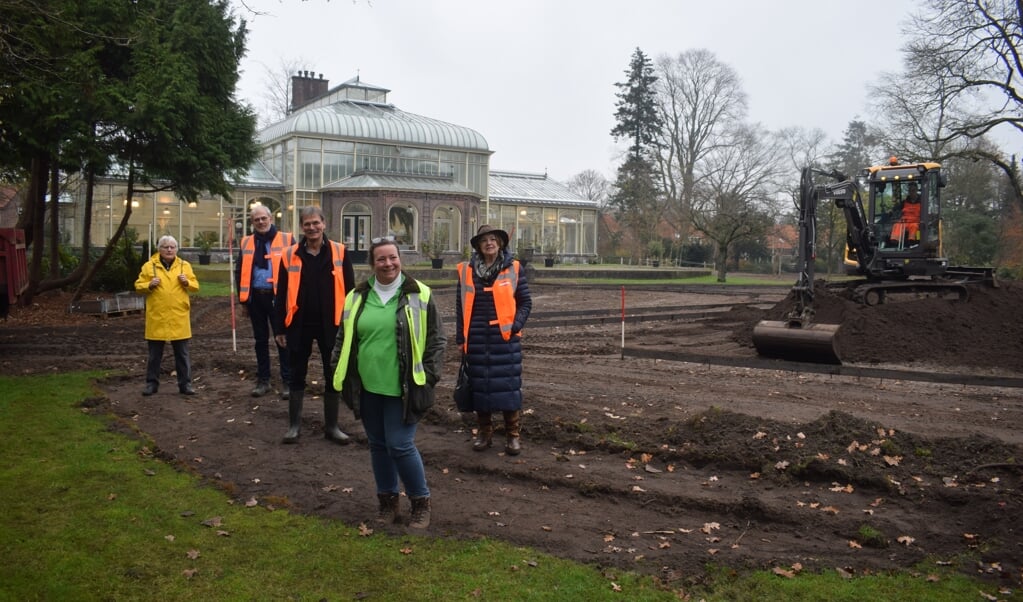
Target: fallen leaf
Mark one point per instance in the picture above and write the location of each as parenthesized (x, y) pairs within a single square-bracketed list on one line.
[(406, 551), (708, 527), (615, 587), (644, 458), (216, 521), (222, 533), (783, 573), (854, 545), (364, 531), (252, 502), (830, 510), (638, 489), (189, 573), (664, 544), (169, 537), (759, 435), (781, 465), (712, 551), (609, 538), (905, 539), (193, 554), (547, 528), (933, 578), (892, 460), (754, 476), (649, 468), (839, 489)]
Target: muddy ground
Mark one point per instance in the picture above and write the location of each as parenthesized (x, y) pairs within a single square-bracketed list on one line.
[(660, 466)]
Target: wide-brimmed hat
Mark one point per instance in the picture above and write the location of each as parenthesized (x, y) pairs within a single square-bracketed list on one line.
[(488, 229)]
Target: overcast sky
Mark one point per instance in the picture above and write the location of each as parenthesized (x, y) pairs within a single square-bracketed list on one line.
[(536, 78)]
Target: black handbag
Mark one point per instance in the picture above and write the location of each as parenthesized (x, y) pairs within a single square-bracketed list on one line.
[(463, 389)]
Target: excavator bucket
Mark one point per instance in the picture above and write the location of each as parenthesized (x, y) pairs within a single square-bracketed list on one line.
[(793, 341)]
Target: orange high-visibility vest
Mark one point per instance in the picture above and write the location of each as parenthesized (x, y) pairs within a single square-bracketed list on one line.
[(293, 264), (280, 242), (909, 222), (504, 287)]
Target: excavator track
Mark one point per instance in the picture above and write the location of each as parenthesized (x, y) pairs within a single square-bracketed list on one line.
[(876, 293)]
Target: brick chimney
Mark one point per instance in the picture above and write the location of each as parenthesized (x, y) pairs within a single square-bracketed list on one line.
[(305, 87)]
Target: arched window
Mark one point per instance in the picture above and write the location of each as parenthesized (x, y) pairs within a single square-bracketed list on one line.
[(447, 227), (402, 222)]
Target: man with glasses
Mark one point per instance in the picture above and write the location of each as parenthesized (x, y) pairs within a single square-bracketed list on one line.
[(256, 276), (312, 282)]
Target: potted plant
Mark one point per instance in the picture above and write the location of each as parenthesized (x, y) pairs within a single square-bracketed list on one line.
[(550, 251), (524, 252), (205, 241), (434, 249), (655, 248)]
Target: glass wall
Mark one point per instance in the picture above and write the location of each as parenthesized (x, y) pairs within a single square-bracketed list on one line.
[(571, 231)]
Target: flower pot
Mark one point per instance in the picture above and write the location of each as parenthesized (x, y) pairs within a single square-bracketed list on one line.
[(548, 262), (437, 263), (656, 263), (204, 260)]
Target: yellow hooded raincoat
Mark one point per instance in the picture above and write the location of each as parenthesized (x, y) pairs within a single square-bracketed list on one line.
[(167, 307)]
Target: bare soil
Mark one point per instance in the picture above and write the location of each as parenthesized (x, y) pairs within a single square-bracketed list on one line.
[(653, 465)]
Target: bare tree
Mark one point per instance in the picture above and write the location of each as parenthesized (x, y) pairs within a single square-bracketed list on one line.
[(592, 185), (277, 89), (737, 196), (699, 98), (970, 51)]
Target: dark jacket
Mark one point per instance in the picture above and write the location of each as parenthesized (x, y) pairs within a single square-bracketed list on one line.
[(416, 399), (495, 365), (323, 288)]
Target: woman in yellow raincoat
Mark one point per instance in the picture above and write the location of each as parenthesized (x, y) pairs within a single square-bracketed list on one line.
[(166, 281)]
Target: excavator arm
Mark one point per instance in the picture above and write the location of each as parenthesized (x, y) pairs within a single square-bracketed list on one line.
[(798, 336)]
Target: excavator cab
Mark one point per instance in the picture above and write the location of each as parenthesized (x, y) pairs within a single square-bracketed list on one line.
[(903, 210)]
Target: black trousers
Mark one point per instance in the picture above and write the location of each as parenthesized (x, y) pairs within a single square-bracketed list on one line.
[(182, 363), (301, 353), (261, 314)]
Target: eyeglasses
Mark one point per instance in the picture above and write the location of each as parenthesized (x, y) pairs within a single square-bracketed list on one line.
[(381, 239), (261, 219)]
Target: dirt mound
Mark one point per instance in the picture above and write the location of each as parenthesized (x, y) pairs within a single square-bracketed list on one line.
[(984, 332)]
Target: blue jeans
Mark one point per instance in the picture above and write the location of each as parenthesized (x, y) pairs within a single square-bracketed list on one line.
[(392, 446)]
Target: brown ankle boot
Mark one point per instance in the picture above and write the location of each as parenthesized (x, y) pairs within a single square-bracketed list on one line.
[(389, 506), (484, 431), (513, 444), (420, 518)]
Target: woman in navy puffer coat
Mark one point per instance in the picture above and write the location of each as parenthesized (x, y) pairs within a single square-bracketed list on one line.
[(491, 307)]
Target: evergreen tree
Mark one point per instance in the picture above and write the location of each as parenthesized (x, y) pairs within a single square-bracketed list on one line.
[(636, 110)]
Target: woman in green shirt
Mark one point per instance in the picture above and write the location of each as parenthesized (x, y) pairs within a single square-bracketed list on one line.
[(387, 358)]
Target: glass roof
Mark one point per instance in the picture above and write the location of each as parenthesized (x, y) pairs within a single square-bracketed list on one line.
[(514, 187), (376, 122)]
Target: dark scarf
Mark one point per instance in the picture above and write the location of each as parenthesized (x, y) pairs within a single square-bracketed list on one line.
[(262, 242)]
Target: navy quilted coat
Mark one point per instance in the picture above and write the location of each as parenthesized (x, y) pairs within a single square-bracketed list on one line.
[(495, 365)]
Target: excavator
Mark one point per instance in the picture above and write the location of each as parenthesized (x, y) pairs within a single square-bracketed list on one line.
[(893, 244)]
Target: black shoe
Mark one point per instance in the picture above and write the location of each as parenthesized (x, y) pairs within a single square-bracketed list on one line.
[(149, 390), (187, 390), (285, 393), (262, 388)]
